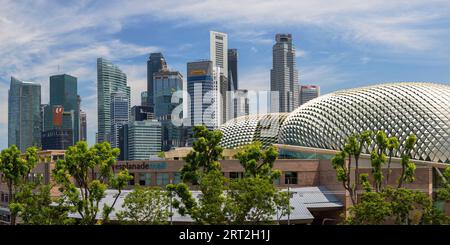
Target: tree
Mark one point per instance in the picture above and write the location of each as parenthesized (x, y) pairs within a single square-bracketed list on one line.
[(205, 154), (145, 206), (408, 167), (202, 169), (353, 147), (378, 159), (254, 198), (15, 169), (35, 206), (84, 175), (392, 146)]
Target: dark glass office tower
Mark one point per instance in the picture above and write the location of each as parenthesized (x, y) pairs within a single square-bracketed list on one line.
[(232, 69), (24, 114), (155, 63), (64, 92)]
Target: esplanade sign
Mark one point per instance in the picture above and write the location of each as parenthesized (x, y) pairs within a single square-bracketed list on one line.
[(141, 166)]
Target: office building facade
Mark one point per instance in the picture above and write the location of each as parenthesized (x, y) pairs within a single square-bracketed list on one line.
[(203, 94), (109, 79), (24, 114), (218, 48), (120, 108), (64, 95), (155, 63), (141, 113), (83, 125), (166, 83), (140, 140), (284, 74), (57, 139), (233, 82), (308, 93), (144, 98)]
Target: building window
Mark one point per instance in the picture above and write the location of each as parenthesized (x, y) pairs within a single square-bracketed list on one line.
[(145, 179), (131, 182), (162, 179), (176, 177), (236, 175), (290, 178)]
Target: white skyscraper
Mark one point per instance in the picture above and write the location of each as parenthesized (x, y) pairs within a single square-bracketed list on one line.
[(218, 48)]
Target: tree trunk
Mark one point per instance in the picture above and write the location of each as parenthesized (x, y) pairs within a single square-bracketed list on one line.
[(389, 169), (11, 199)]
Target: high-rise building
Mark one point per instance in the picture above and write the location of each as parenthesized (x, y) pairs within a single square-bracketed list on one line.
[(63, 94), (165, 84), (120, 109), (83, 125), (57, 139), (144, 98), (219, 56), (284, 75), (140, 140), (232, 69), (240, 103), (109, 79), (203, 93), (218, 48), (24, 114), (308, 93), (141, 113), (155, 63)]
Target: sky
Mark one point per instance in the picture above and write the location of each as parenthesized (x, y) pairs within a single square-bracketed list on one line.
[(339, 44)]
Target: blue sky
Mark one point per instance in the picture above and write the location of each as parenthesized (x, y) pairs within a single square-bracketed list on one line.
[(344, 45)]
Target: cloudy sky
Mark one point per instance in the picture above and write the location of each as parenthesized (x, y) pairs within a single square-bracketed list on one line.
[(343, 45)]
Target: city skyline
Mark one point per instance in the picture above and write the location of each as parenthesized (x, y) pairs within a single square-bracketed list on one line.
[(400, 47)]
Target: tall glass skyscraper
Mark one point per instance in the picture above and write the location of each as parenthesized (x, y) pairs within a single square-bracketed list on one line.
[(155, 63), (284, 75), (83, 125), (165, 84), (119, 115), (140, 140), (203, 93), (109, 79), (24, 114), (232, 70), (64, 92)]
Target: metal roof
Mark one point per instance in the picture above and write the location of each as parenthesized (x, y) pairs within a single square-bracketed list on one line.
[(303, 198)]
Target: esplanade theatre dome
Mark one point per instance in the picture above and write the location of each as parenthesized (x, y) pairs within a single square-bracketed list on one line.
[(399, 109)]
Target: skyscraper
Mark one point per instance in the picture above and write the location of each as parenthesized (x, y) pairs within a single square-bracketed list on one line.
[(284, 75), (109, 79), (83, 125), (63, 93), (141, 113), (240, 103), (218, 48), (203, 93), (120, 109), (140, 140), (219, 56), (165, 84), (144, 98), (308, 93), (24, 114), (232, 69), (155, 63)]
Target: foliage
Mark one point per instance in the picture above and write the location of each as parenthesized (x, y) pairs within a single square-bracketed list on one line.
[(443, 194), (252, 199), (205, 154), (35, 206), (145, 206), (15, 169), (398, 205), (80, 186), (408, 167)]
